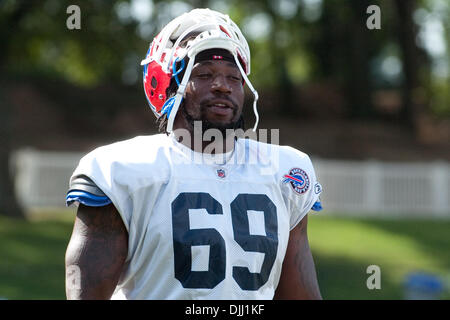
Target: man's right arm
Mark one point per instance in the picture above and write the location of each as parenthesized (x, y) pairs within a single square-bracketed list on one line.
[(97, 249)]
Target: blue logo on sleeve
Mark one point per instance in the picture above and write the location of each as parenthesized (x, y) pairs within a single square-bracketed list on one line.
[(298, 179)]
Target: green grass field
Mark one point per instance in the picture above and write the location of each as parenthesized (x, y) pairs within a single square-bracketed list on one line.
[(344, 248), (32, 255)]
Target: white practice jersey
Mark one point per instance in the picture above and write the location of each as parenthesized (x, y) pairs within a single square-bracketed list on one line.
[(199, 229)]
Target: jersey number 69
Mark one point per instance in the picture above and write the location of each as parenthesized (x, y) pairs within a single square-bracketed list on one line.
[(184, 238)]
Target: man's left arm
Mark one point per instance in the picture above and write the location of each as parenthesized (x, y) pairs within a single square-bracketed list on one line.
[(298, 275)]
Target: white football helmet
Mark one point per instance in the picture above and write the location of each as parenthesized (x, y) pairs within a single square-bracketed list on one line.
[(214, 30)]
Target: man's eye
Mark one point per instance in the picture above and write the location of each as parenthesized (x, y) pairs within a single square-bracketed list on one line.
[(204, 75), (235, 78)]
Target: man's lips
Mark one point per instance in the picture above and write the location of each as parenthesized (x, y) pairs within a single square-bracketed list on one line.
[(220, 104), (220, 107), (220, 110)]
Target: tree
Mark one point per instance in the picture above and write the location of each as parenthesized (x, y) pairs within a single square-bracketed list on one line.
[(28, 28), (414, 101), (8, 202)]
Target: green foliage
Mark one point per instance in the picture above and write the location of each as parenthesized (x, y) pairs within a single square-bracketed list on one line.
[(293, 42), (440, 97), (42, 43)]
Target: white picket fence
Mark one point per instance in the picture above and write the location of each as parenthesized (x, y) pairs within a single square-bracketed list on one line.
[(369, 188), (385, 189)]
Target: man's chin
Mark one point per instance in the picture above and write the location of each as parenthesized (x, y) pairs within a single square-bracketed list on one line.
[(205, 124), (221, 126)]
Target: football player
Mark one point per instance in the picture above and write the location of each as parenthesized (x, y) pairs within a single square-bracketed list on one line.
[(168, 217)]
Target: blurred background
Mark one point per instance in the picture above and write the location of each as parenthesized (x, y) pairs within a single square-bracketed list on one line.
[(371, 106)]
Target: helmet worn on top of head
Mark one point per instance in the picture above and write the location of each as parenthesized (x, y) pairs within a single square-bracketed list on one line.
[(202, 29)]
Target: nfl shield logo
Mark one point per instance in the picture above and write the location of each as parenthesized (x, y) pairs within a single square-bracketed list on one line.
[(221, 173)]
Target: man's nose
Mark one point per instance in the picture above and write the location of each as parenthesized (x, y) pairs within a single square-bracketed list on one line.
[(220, 84)]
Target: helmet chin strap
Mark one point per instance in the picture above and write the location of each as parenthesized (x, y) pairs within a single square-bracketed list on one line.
[(255, 93), (182, 88), (179, 96)]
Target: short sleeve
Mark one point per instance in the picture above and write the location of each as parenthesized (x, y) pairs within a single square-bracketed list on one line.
[(100, 167), (300, 188)]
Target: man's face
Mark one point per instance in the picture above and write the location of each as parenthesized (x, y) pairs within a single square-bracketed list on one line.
[(214, 94)]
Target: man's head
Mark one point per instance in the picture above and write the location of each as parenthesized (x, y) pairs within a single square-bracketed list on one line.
[(195, 70)]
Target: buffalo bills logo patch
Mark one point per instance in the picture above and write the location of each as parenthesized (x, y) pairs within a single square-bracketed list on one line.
[(298, 179)]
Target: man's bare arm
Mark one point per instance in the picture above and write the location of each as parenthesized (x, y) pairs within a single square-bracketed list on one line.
[(97, 251), (298, 276)]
